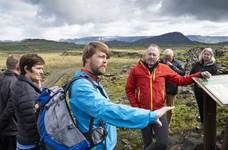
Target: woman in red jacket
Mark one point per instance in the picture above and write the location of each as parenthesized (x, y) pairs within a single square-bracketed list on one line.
[(145, 88)]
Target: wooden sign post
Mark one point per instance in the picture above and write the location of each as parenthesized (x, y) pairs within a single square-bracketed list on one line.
[(225, 140), (215, 92)]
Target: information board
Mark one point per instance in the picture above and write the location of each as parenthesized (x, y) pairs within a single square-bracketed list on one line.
[(216, 87)]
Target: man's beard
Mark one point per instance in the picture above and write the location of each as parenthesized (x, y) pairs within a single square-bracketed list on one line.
[(97, 71), (150, 62)]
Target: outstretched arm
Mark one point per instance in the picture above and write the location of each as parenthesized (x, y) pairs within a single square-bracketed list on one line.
[(97, 106)]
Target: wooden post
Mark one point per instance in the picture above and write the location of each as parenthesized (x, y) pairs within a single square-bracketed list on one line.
[(225, 140), (209, 123)]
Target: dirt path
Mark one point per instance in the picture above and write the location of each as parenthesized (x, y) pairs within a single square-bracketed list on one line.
[(54, 77)]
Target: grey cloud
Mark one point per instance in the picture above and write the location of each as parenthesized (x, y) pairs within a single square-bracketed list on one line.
[(60, 12), (142, 4), (213, 10), (54, 18), (32, 1), (80, 11), (95, 11)]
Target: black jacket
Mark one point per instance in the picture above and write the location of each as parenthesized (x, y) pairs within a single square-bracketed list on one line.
[(7, 117), (211, 67), (170, 87), (25, 94)]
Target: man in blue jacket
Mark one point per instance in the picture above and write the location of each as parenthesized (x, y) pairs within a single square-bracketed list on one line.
[(89, 100)]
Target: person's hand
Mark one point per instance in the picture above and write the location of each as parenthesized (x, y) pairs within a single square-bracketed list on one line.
[(160, 112), (206, 74)]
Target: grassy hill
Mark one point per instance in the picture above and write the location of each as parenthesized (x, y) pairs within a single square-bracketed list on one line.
[(38, 45), (172, 40)]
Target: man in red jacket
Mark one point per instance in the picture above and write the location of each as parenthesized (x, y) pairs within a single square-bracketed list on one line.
[(145, 88)]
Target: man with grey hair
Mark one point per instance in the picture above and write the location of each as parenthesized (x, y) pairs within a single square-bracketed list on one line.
[(171, 88), (8, 129), (145, 88)]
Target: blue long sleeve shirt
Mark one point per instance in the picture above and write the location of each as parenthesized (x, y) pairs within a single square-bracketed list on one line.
[(86, 101)]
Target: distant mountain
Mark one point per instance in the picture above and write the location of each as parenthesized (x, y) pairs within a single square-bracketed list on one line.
[(37, 41), (116, 43), (165, 39), (173, 38), (208, 39), (86, 40), (38, 45), (222, 43)]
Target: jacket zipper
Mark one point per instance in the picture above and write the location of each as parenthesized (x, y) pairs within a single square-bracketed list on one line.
[(152, 78), (151, 91), (138, 94)]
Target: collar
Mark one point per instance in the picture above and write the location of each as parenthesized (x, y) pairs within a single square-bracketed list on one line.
[(94, 77), (29, 81), (147, 66), (10, 73), (208, 64)]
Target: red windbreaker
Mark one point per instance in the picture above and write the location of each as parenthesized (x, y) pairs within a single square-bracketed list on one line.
[(147, 90)]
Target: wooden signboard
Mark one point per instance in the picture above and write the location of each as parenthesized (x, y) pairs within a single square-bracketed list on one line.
[(216, 87), (215, 91)]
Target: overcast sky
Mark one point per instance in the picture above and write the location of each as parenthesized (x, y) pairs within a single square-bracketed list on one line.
[(63, 19)]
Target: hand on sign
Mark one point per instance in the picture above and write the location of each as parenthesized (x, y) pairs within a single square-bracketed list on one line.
[(206, 74)]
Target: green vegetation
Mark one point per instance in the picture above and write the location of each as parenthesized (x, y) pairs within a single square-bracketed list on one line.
[(37, 45), (114, 82)]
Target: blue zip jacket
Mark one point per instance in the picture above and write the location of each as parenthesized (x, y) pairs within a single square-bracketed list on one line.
[(86, 101)]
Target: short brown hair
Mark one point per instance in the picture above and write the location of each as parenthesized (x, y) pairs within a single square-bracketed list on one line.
[(30, 60), (12, 61), (91, 48)]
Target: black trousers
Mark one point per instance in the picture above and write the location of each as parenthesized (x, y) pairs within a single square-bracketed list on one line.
[(160, 134), (199, 98), (7, 142)]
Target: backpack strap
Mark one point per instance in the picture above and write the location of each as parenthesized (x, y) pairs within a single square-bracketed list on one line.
[(88, 134), (67, 86)]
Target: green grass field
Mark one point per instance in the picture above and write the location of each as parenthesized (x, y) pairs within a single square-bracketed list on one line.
[(114, 82)]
